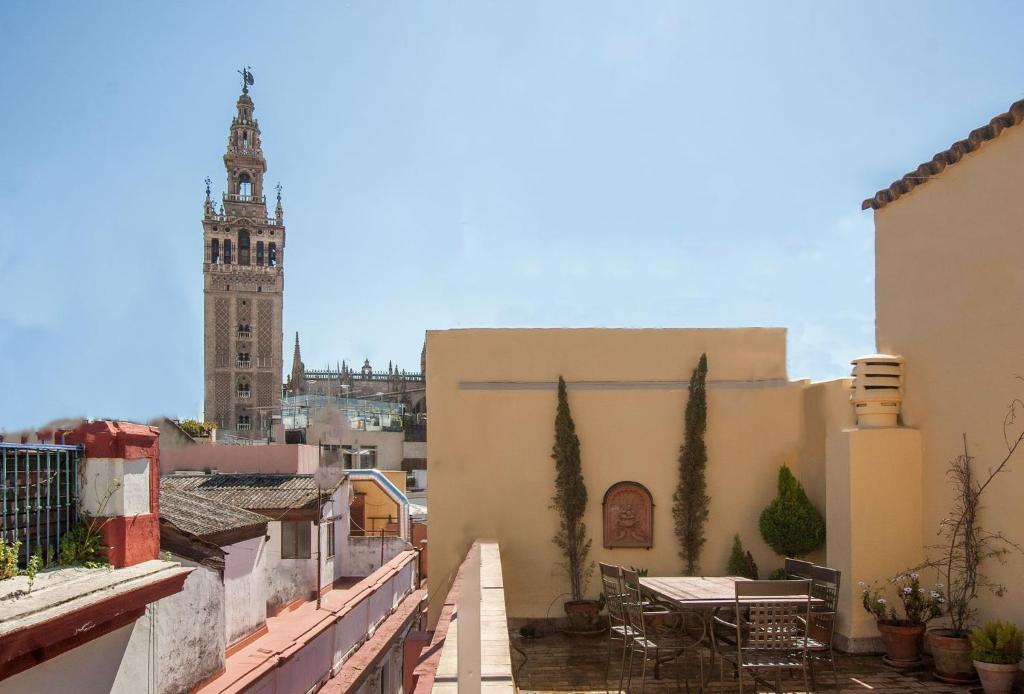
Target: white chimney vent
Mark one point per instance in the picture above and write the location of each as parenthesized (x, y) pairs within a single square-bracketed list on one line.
[(877, 390)]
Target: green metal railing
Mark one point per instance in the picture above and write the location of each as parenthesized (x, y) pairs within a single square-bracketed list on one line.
[(39, 497)]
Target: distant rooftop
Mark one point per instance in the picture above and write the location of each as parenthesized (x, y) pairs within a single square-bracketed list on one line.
[(202, 515), (247, 490)]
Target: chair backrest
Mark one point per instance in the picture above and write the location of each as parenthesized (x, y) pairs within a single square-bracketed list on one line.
[(798, 568), (826, 587), (633, 602), (777, 613), (823, 617), (611, 585)]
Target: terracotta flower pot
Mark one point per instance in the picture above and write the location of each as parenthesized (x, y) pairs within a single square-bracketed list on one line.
[(952, 656), (583, 616), (902, 643), (997, 678)]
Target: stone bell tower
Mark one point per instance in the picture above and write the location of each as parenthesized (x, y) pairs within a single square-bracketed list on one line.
[(243, 287)]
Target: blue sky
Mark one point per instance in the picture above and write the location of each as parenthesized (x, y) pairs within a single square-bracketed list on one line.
[(458, 164)]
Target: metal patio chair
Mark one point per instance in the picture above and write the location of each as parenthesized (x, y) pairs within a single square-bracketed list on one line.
[(659, 647), (798, 569), (822, 624), (770, 629), (619, 631)]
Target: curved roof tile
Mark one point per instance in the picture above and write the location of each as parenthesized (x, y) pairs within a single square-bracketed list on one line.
[(947, 157)]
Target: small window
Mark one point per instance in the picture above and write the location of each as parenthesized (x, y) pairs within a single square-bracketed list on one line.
[(244, 185), (259, 252), (272, 254), (295, 539), (227, 251), (330, 539), (215, 251)]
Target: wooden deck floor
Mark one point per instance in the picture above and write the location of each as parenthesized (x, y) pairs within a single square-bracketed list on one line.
[(557, 663)]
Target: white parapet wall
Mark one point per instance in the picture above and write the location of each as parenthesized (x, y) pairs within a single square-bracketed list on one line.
[(479, 656), (116, 486)]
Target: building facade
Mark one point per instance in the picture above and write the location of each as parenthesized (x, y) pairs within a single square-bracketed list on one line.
[(243, 285), (394, 385)]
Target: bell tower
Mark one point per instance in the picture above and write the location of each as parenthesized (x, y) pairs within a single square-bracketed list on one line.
[(243, 287)]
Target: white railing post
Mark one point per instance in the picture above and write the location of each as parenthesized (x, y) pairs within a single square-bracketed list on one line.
[(468, 625)]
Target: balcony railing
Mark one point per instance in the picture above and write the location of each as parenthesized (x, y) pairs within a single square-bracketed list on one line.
[(244, 426), (244, 334), (244, 394), (268, 221), (238, 197), (243, 363), (39, 497)]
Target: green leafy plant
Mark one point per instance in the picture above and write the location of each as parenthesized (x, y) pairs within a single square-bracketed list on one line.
[(9, 562), (790, 524), (194, 427), (778, 575), (918, 605), (741, 563), (639, 571), (35, 562), (997, 642), (83, 544), (9, 558), (690, 500), (570, 498)]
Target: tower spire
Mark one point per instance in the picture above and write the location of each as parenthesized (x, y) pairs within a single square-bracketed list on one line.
[(279, 210), (298, 369)]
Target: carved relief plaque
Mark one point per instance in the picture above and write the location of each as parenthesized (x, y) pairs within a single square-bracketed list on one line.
[(628, 516)]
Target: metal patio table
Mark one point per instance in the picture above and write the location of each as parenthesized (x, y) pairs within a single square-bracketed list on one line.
[(702, 595)]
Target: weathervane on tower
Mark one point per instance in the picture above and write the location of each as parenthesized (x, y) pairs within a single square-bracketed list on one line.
[(247, 81)]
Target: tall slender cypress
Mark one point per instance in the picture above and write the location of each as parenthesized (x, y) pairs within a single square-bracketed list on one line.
[(690, 500), (570, 498)]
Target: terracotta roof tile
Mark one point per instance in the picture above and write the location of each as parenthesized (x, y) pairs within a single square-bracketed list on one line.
[(947, 157)]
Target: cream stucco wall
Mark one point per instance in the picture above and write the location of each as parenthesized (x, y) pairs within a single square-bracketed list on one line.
[(948, 295), (492, 398)]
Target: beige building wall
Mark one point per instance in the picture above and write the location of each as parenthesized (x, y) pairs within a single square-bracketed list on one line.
[(493, 398), (330, 425), (272, 458), (948, 298)]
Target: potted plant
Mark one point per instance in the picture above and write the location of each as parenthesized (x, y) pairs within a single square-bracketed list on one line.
[(996, 650), (903, 635), (570, 501), (963, 547)]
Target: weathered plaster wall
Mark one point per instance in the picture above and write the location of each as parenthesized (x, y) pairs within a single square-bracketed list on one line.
[(285, 458), (948, 291), (245, 580), (116, 663), (190, 631), (364, 553), (287, 579), (336, 566), (492, 425)]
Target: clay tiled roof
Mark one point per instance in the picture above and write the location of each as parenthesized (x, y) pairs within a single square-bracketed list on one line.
[(947, 157), (203, 516), (248, 490)]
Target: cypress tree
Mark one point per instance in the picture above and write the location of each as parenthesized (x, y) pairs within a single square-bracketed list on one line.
[(690, 500), (570, 498)]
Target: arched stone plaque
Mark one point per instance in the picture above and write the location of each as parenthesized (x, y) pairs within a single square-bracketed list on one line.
[(628, 516)]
